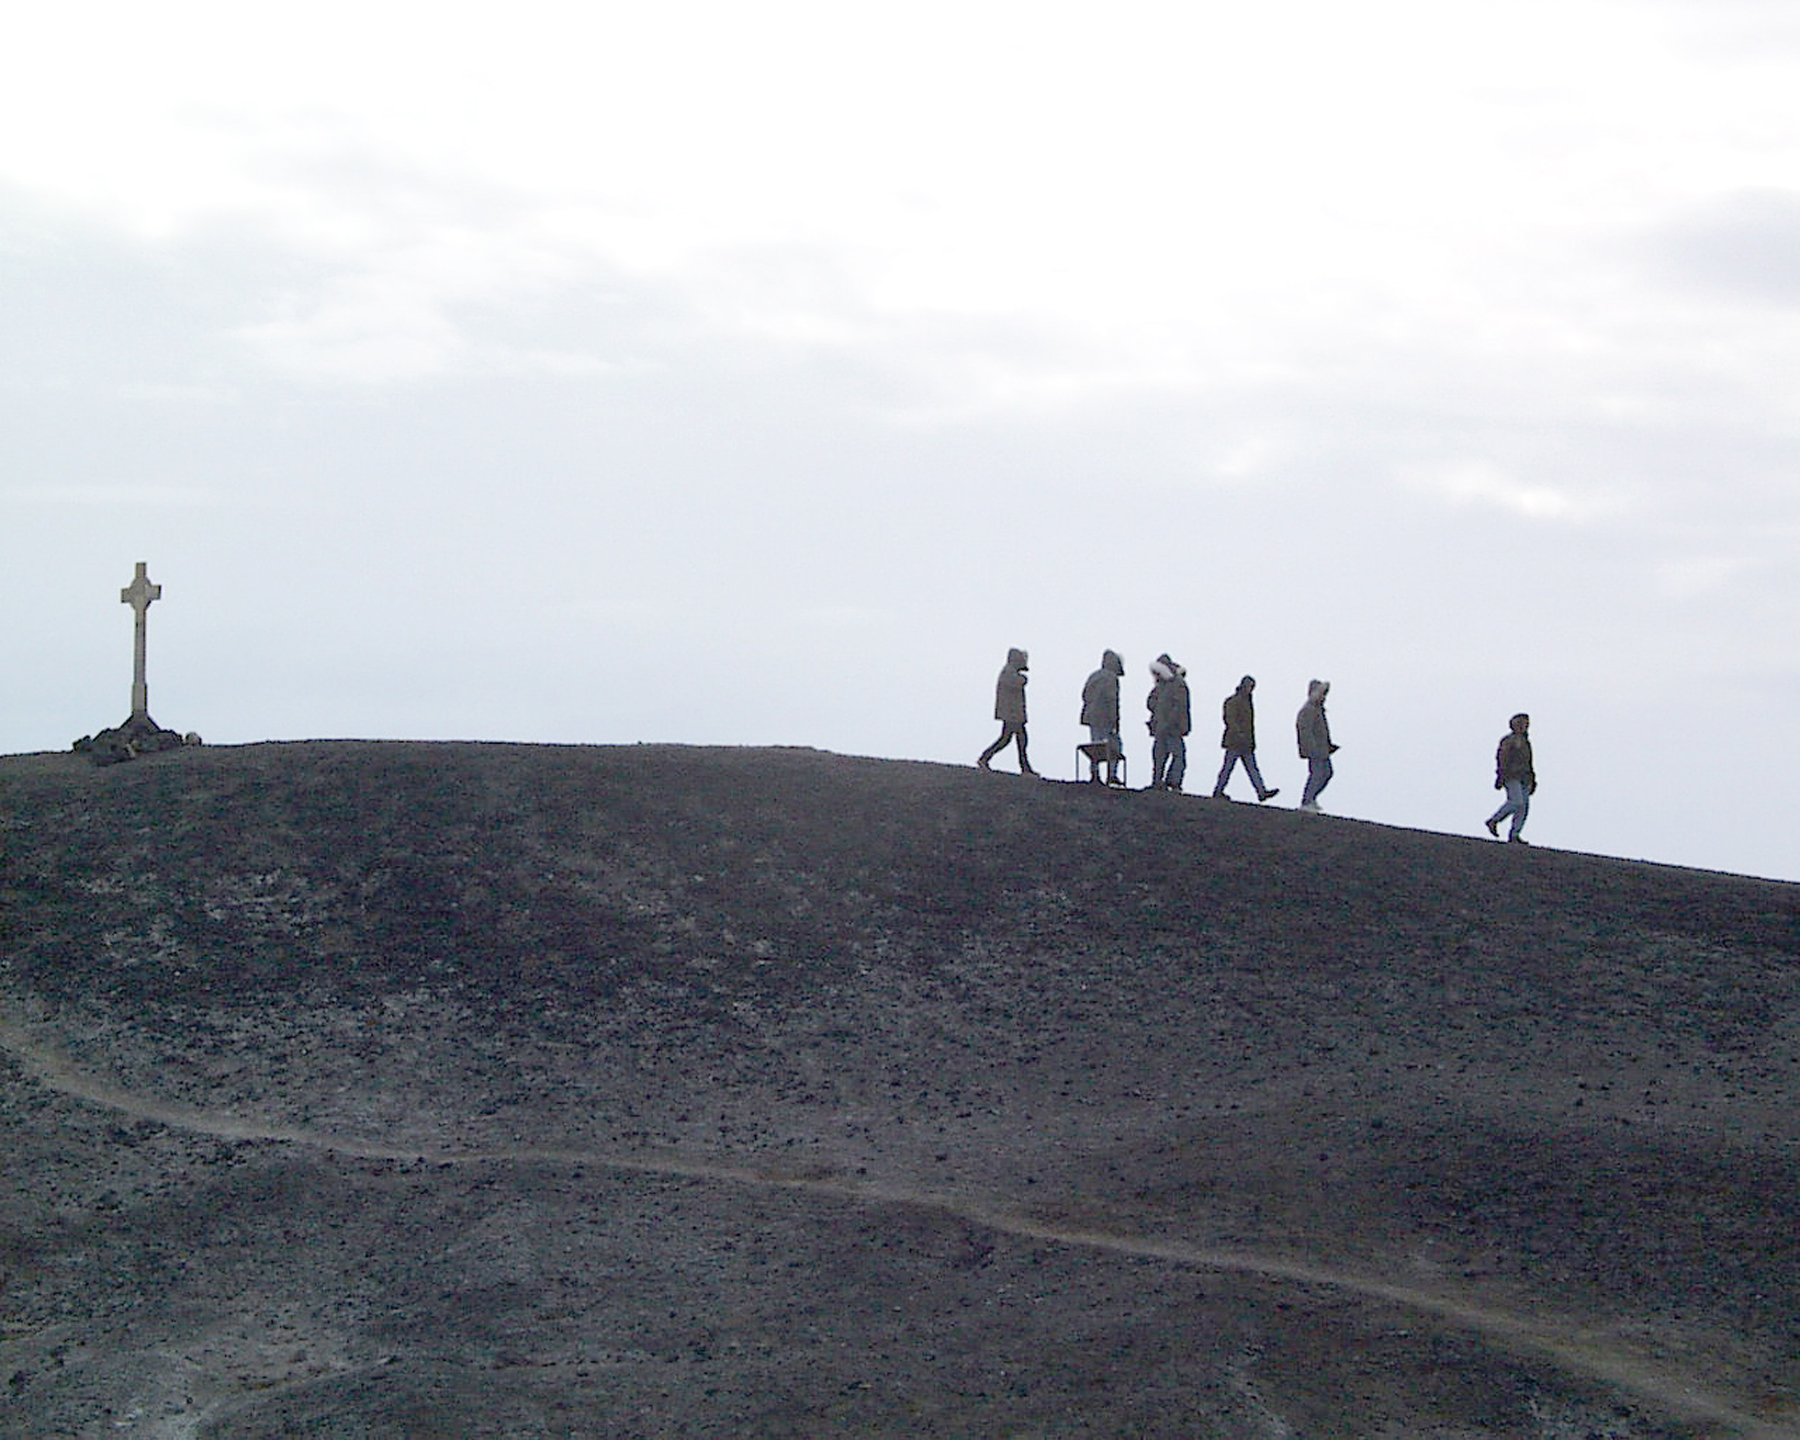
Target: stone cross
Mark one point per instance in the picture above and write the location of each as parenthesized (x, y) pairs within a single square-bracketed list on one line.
[(138, 595)]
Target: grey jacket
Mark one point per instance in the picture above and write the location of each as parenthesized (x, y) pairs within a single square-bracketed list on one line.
[(1009, 689), (1100, 696), (1311, 729), (1168, 704)]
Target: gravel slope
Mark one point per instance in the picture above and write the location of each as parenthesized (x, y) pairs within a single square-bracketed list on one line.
[(379, 1089)]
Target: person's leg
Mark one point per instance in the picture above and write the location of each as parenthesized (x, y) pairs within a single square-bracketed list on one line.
[(1515, 789), (1177, 761), (1318, 776), (1115, 752), (1255, 776), (1263, 792), (1097, 736), (1231, 759), (1009, 733), (1159, 761), (1518, 797)]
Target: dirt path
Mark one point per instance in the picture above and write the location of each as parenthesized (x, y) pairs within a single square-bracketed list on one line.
[(1578, 1352)]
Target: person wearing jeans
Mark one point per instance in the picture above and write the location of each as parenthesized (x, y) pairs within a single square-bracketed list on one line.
[(1169, 724), (1313, 732), (1240, 741), (1514, 774)]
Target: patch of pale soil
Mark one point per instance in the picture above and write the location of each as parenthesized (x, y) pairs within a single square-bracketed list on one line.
[(1589, 1353)]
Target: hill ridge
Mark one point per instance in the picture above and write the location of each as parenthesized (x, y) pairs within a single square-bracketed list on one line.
[(1543, 1084)]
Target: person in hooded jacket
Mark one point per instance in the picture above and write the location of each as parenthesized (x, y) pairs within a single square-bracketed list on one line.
[(1515, 774), (1100, 713), (1313, 732), (1169, 724), (1240, 740), (1009, 710)]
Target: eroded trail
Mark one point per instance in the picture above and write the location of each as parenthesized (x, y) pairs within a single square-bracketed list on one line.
[(1581, 1353)]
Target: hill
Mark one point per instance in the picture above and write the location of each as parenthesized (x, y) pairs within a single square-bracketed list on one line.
[(387, 1089)]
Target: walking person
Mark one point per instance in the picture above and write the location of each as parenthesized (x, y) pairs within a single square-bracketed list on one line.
[(1170, 722), (1514, 774), (1009, 710), (1313, 733), (1100, 713), (1240, 740)]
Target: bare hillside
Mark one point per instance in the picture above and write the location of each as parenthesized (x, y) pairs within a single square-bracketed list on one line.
[(358, 1089)]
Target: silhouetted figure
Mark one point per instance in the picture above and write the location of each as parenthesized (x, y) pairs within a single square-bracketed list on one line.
[(1169, 724), (1514, 774), (1009, 710), (1240, 740), (1313, 732), (1100, 713)]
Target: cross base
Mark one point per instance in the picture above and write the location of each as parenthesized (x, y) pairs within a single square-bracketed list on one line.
[(140, 735)]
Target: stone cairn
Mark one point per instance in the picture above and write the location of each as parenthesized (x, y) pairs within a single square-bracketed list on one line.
[(139, 735)]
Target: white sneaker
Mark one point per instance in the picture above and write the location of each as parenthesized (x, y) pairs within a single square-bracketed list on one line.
[(1310, 807)]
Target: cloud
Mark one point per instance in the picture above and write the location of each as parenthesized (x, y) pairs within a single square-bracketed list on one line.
[(362, 330), (1748, 32), (1744, 245), (1693, 577), (110, 496), (179, 393), (1479, 483)]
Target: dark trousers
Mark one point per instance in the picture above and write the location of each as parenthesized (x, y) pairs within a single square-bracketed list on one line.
[(1009, 731)]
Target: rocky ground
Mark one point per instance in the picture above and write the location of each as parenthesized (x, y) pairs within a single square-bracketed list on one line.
[(355, 1089)]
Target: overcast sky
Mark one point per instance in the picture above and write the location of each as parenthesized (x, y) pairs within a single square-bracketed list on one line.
[(735, 374)]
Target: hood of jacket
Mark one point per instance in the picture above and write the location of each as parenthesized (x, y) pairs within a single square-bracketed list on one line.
[(1017, 659)]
